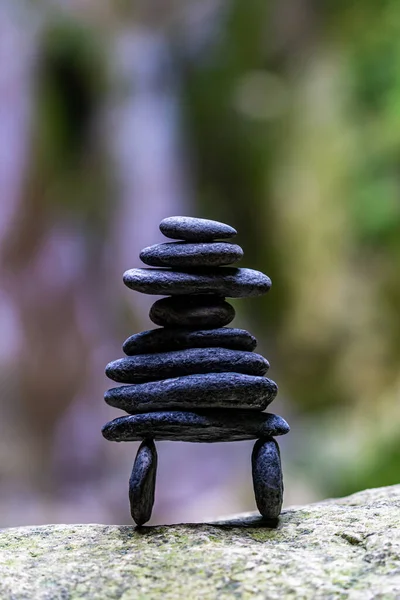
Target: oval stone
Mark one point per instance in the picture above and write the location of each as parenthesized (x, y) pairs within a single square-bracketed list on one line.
[(224, 281), (199, 426), (192, 229), (208, 390), (163, 340), (192, 311), (267, 478), (153, 367), (185, 254), (142, 482)]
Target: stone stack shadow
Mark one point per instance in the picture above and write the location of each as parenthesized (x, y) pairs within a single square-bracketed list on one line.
[(194, 379)]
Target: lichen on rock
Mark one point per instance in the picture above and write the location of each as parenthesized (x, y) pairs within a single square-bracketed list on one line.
[(346, 548)]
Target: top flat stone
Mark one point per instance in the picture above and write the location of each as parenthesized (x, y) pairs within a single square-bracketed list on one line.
[(191, 229), (223, 281)]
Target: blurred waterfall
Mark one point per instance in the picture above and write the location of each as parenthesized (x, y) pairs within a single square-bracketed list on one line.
[(148, 149), (18, 33)]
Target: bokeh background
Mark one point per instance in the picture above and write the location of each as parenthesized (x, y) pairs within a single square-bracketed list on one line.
[(279, 117)]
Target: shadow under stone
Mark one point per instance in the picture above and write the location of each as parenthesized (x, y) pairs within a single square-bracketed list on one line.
[(242, 522)]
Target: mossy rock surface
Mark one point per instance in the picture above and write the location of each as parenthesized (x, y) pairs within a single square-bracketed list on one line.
[(346, 548)]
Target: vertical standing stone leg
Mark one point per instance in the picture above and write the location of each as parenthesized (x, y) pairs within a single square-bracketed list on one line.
[(267, 477), (142, 482)]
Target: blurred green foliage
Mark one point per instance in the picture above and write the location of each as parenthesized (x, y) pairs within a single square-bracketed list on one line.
[(71, 82), (238, 159)]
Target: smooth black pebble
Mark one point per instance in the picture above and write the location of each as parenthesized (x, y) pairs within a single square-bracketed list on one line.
[(163, 340), (142, 482), (185, 254), (209, 390), (178, 363), (224, 281), (200, 426), (192, 229), (192, 311), (267, 478)]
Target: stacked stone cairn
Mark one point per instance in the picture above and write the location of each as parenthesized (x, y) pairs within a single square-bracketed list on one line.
[(193, 379)]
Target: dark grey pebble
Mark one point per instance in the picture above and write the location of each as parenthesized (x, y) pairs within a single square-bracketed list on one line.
[(142, 482), (209, 390), (185, 254), (201, 311), (224, 281), (192, 229), (204, 426), (267, 478), (178, 363), (163, 340)]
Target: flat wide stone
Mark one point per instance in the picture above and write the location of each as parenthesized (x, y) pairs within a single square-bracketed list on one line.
[(142, 482), (194, 311), (267, 478), (163, 340), (210, 390), (342, 549), (224, 281), (185, 254), (192, 229), (178, 363), (204, 426)]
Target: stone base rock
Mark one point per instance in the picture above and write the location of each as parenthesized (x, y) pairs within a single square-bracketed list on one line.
[(347, 548), (142, 482)]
